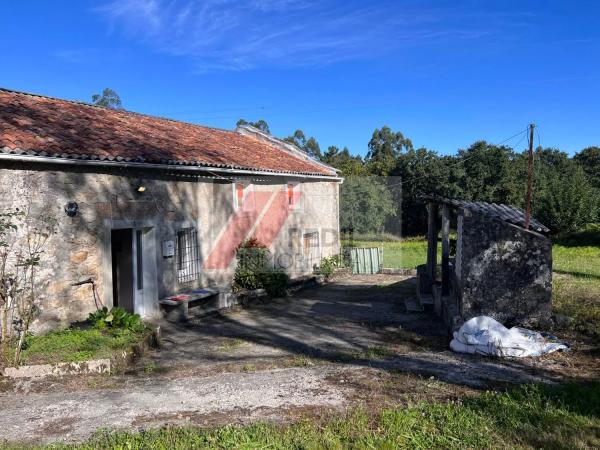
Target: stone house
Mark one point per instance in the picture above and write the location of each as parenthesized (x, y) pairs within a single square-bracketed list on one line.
[(147, 207), (498, 268)]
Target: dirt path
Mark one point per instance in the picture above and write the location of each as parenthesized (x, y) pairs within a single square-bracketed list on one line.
[(74, 416)]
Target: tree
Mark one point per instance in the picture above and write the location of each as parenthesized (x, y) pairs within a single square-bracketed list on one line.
[(260, 124), (589, 160), (568, 202), (23, 238), (365, 205), (108, 99), (564, 198), (342, 159), (385, 147), (422, 172), (308, 145), (490, 174)]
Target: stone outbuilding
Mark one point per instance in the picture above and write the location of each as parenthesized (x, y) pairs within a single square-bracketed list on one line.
[(494, 267), (148, 207)]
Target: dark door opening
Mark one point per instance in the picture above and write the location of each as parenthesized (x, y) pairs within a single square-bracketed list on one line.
[(122, 268)]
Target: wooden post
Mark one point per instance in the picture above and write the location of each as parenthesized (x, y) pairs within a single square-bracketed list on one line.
[(432, 240), (445, 250), (529, 178)]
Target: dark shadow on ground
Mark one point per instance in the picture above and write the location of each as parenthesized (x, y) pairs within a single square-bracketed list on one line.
[(359, 321), (581, 275)]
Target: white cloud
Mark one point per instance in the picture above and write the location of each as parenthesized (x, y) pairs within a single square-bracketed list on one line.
[(238, 35)]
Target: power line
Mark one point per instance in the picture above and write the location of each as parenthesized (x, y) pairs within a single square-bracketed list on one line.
[(462, 160)]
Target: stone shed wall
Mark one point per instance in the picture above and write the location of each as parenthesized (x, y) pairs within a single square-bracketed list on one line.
[(502, 271), (107, 200)]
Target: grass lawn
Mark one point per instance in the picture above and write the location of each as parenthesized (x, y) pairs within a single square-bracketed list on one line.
[(400, 254), (576, 281), (527, 417), (76, 344)]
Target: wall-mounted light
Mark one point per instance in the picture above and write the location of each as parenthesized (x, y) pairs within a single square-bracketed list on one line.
[(138, 186), (71, 209)]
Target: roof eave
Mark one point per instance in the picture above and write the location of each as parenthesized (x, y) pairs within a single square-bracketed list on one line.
[(187, 168)]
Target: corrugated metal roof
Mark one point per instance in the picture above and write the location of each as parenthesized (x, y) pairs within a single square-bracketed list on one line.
[(506, 213)]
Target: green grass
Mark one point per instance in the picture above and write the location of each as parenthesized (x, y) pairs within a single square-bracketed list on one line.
[(76, 344), (399, 254), (566, 417), (576, 285)]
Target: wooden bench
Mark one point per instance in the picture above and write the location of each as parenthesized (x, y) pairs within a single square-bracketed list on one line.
[(176, 307)]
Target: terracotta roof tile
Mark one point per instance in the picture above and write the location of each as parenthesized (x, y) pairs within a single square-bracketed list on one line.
[(35, 124)]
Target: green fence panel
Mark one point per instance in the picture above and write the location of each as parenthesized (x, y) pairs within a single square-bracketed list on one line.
[(366, 260)]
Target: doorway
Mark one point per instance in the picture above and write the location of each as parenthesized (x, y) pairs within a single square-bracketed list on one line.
[(134, 286), (122, 268)]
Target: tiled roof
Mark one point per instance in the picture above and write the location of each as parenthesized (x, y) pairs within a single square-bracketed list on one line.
[(43, 126), (506, 213)]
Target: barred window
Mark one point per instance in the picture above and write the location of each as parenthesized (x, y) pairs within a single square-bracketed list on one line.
[(188, 256), (311, 248)]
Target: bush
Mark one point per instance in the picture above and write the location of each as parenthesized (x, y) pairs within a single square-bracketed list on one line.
[(253, 270), (252, 262), (116, 318), (327, 266), (275, 283)]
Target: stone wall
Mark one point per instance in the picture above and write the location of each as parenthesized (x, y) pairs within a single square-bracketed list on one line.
[(107, 199), (503, 271)]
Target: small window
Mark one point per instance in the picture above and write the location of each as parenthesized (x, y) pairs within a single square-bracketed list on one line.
[(188, 258), (239, 193), (293, 194)]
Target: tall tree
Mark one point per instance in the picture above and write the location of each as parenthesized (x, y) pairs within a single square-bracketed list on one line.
[(490, 175), (348, 164), (107, 99), (365, 205), (385, 147), (421, 172), (260, 124), (309, 145)]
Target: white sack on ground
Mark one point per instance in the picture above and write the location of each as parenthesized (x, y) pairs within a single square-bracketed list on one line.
[(486, 336)]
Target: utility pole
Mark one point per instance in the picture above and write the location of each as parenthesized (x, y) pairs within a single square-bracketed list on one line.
[(529, 178)]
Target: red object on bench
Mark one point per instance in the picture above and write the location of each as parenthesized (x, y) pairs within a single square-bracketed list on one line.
[(179, 298)]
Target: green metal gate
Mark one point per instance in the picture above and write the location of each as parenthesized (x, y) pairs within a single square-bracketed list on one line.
[(366, 260)]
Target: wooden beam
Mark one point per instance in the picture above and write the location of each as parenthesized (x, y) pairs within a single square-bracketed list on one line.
[(445, 250), (432, 239)]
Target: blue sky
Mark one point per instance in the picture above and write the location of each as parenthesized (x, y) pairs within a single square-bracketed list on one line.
[(444, 73)]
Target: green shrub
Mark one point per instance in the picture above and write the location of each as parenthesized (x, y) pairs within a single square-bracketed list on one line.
[(116, 318), (252, 261), (275, 283), (253, 270), (327, 266)]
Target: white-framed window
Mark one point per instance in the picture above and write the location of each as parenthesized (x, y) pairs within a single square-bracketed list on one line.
[(187, 255), (240, 191)]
